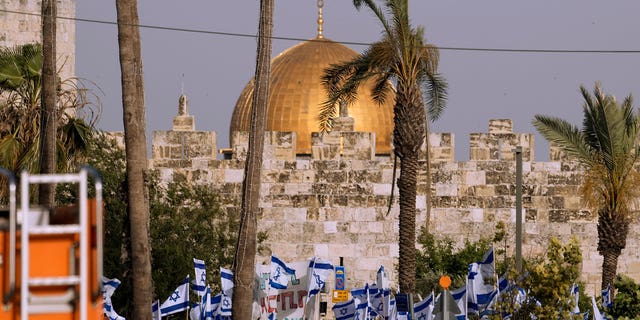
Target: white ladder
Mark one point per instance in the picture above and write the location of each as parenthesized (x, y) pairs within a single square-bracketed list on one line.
[(30, 304)]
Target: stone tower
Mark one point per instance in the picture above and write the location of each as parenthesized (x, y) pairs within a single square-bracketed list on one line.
[(20, 23)]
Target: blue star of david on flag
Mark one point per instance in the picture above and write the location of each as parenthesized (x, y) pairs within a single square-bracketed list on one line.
[(178, 301), (280, 273), (200, 283), (319, 271)]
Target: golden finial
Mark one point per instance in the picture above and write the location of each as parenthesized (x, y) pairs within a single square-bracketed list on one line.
[(320, 21)]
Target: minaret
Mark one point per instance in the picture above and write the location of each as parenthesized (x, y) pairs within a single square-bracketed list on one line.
[(320, 20), (183, 121)]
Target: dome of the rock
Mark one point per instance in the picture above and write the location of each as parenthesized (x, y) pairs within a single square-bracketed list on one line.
[(296, 94)]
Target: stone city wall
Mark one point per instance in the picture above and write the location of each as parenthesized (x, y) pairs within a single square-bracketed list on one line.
[(333, 202), (20, 23)]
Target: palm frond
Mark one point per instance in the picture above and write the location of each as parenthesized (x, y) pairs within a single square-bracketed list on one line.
[(377, 11), (436, 93), (564, 134)]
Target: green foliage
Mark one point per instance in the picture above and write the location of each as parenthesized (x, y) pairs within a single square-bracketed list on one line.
[(440, 256), (626, 304), (185, 223), (547, 281)]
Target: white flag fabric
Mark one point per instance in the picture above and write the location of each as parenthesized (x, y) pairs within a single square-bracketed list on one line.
[(178, 300), (362, 307), (596, 312), (481, 282), (361, 299), (381, 279), (155, 310), (108, 287), (205, 305), (344, 310), (575, 296), (319, 271), (424, 308), (460, 296), (280, 273), (200, 282), (226, 279), (225, 306), (215, 305)]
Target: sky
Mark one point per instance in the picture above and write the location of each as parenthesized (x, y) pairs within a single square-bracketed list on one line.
[(212, 69)]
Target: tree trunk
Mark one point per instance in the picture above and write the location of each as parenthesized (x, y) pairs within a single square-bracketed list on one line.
[(409, 133), (609, 269), (244, 262), (48, 117), (613, 229), (136, 155)]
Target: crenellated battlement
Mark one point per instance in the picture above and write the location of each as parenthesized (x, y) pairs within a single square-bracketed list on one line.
[(334, 202)]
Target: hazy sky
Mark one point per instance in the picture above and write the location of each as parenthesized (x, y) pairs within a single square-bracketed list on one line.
[(483, 85)]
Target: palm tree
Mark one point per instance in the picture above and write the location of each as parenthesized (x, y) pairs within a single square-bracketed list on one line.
[(49, 116), (135, 154), (20, 93), (607, 146), (244, 262), (402, 56)]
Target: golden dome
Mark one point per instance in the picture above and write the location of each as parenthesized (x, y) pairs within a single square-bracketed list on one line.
[(296, 94)]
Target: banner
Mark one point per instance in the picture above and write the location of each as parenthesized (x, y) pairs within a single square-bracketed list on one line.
[(289, 303)]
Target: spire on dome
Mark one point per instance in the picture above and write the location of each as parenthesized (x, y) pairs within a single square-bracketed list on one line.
[(320, 20)]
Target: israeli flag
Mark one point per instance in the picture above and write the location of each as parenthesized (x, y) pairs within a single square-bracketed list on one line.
[(280, 273), (194, 313), (155, 310), (381, 279), (215, 305), (404, 316), (200, 282), (606, 297), (319, 271), (460, 297), (424, 308), (393, 312), (377, 303), (481, 287), (226, 279), (361, 298), (362, 306), (205, 306), (178, 300), (575, 296), (109, 286), (345, 310), (596, 312), (225, 306)]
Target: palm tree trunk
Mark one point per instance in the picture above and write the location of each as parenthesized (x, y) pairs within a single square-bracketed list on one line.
[(609, 268), (407, 222), (244, 262), (48, 118), (408, 136), (136, 155), (613, 229)]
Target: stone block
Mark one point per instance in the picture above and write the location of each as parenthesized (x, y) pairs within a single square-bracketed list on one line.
[(475, 178), (500, 126)]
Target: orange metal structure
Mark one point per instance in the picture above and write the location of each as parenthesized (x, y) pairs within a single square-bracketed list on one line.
[(51, 261)]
